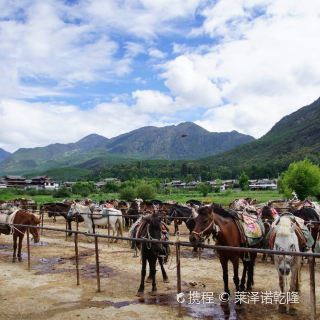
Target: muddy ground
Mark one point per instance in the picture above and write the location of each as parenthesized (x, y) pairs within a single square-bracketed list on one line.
[(49, 290)]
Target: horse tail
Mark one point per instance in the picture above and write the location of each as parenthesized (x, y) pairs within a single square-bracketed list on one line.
[(120, 228)]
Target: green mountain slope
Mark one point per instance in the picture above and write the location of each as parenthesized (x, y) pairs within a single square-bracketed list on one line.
[(184, 141), (294, 137), (4, 154)]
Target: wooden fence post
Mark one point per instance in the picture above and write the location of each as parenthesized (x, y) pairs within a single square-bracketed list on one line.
[(312, 288), (97, 263)]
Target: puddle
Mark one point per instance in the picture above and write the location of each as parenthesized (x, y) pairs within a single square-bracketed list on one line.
[(89, 271), (196, 311)]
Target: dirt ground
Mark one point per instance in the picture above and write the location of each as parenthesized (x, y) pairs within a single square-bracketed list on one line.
[(49, 290)]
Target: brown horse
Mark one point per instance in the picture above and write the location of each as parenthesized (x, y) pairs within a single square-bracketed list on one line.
[(26, 218), (221, 224)]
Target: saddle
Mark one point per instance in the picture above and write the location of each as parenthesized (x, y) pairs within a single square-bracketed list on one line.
[(299, 230), (251, 229)]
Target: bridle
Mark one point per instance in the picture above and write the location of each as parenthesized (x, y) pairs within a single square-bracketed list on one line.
[(201, 233)]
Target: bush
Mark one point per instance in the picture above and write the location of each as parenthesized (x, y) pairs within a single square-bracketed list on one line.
[(110, 187), (146, 192), (244, 181), (303, 178), (83, 188), (128, 193), (204, 188), (63, 192)]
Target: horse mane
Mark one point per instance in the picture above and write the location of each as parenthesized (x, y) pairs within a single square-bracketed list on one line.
[(219, 210)]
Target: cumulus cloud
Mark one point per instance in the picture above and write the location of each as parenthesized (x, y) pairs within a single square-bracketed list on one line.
[(245, 63), (264, 66), (37, 124)]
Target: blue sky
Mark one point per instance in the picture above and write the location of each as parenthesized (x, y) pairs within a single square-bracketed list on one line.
[(71, 68)]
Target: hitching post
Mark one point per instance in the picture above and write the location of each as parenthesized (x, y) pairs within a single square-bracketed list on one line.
[(178, 273), (312, 288), (28, 248), (97, 262)]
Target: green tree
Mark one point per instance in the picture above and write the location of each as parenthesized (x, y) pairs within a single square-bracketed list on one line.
[(146, 192), (243, 181), (302, 177), (83, 188), (62, 192), (128, 193), (110, 187), (204, 188)]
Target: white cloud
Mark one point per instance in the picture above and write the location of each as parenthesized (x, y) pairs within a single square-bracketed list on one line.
[(156, 53), (189, 81), (265, 66), (37, 124), (151, 101)]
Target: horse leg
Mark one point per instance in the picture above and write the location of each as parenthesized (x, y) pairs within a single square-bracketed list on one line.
[(143, 274), (69, 227), (152, 264), (163, 271), (251, 264), (224, 264), (19, 248), (14, 247), (176, 228), (282, 307), (235, 263), (244, 273)]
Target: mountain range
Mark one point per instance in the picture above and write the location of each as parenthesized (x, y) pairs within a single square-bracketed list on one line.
[(184, 141), (225, 155), (4, 154)]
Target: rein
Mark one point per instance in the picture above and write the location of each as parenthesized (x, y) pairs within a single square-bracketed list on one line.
[(201, 233)]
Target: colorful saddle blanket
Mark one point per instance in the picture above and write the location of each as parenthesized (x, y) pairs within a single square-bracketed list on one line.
[(305, 238), (252, 229)]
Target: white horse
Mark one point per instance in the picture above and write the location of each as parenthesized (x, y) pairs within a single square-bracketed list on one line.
[(287, 240), (110, 217)]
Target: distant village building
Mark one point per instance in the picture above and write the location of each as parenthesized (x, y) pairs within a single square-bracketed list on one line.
[(39, 182), (15, 181), (105, 181), (42, 182), (263, 184)]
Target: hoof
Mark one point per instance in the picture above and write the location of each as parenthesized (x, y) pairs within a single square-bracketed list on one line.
[(153, 293), (166, 280), (149, 280), (282, 308), (140, 294), (293, 311), (13, 260), (19, 259)]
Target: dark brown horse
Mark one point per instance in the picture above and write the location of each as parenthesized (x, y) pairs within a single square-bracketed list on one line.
[(214, 220), (55, 209), (21, 217), (151, 227)]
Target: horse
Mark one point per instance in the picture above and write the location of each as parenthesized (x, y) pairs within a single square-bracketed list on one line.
[(179, 214), (214, 220), (110, 217), (267, 214), (309, 214), (286, 239), (19, 217), (60, 209), (150, 227), (133, 212)]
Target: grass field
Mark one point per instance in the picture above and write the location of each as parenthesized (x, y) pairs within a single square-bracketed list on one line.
[(223, 198)]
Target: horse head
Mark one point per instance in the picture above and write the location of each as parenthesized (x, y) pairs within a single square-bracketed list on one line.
[(204, 225), (34, 221)]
